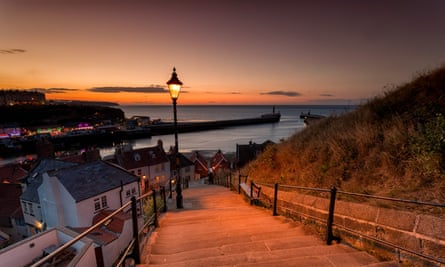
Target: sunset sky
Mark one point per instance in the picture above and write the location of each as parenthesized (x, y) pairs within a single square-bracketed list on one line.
[(225, 51)]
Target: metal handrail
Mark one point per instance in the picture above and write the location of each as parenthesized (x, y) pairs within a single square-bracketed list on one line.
[(394, 199), (393, 245), (333, 191), (89, 230), (80, 236), (441, 205)]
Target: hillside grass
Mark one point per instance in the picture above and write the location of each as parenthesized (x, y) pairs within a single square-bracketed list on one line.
[(393, 146)]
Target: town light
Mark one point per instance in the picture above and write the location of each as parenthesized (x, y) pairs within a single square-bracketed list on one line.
[(174, 86)]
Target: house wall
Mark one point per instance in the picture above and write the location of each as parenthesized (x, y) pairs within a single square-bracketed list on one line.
[(23, 252), (112, 250), (159, 174), (58, 207), (188, 172), (85, 249), (32, 220), (86, 208)]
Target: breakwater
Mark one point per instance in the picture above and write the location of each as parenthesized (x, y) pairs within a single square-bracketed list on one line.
[(183, 127), (109, 138)]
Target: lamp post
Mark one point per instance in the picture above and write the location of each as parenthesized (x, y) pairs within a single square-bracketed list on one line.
[(174, 86)]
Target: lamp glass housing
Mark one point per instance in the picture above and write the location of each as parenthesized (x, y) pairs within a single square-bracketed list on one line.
[(174, 90)]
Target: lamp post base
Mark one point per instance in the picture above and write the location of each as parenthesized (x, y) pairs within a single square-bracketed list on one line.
[(179, 202)]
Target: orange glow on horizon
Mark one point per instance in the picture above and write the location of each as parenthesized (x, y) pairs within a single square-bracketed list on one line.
[(185, 98)]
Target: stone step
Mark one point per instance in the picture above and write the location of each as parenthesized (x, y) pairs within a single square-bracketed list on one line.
[(218, 228), (336, 255), (233, 245), (244, 235), (234, 229)]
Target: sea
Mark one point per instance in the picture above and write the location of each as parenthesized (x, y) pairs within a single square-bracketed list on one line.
[(226, 140)]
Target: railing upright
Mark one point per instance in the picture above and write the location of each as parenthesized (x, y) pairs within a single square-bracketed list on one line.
[(155, 209), (135, 255), (239, 184), (164, 199), (275, 199), (329, 234)]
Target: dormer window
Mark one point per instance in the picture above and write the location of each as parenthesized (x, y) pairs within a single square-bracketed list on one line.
[(137, 157)]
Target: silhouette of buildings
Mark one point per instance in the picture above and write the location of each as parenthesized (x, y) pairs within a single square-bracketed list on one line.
[(20, 97)]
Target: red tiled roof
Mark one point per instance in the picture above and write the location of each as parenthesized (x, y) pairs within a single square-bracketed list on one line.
[(12, 173), (109, 231), (117, 222), (99, 235), (10, 201), (138, 158), (218, 159)]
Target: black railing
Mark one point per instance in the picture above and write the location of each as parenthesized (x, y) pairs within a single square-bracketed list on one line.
[(132, 250), (333, 194)]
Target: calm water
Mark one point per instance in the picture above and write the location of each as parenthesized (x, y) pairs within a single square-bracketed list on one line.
[(225, 139)]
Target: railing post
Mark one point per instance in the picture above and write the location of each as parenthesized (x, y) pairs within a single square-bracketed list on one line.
[(330, 221), (239, 184), (275, 199), (251, 193), (155, 208), (164, 199), (136, 255)]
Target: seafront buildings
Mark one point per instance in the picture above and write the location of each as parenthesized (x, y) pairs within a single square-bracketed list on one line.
[(16, 97), (57, 199)]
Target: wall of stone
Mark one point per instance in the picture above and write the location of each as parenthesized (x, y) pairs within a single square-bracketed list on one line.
[(419, 233)]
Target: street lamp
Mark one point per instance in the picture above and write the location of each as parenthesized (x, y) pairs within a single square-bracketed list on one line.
[(174, 86)]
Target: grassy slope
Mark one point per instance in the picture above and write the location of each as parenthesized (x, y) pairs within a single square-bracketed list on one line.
[(392, 146)]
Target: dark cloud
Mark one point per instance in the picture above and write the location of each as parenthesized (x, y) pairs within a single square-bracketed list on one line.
[(228, 93), (12, 51), (59, 90), (283, 93), (150, 89), (328, 95)]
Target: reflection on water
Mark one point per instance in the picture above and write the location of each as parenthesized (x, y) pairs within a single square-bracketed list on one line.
[(225, 139)]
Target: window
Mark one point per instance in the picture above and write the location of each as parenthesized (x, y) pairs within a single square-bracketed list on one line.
[(133, 191), (104, 202), (25, 208), (163, 167), (139, 172), (96, 204), (128, 193), (31, 212)]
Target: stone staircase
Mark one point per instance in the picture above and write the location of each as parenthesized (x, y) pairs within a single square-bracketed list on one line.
[(218, 227)]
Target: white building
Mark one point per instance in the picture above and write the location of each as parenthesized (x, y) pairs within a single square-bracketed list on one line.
[(151, 164), (62, 194), (34, 248), (30, 200)]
